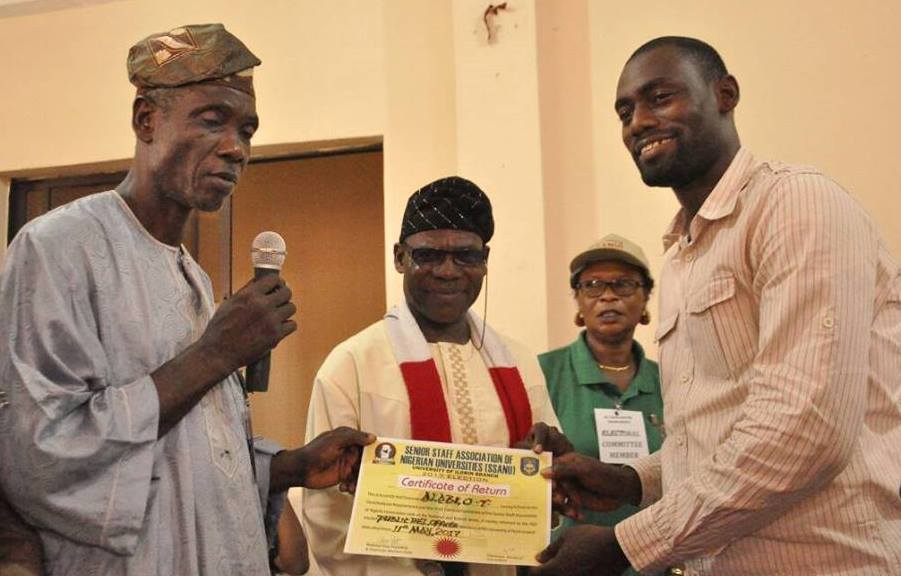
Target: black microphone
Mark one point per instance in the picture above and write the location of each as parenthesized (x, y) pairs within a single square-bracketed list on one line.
[(267, 254)]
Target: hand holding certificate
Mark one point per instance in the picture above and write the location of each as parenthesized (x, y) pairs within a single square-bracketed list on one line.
[(454, 502)]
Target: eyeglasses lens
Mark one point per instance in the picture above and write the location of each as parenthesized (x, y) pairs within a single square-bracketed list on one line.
[(622, 287), (434, 257)]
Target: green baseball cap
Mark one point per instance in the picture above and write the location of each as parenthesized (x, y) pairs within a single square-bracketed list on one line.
[(610, 247)]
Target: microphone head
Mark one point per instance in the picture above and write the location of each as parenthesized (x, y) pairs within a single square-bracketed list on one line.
[(268, 251)]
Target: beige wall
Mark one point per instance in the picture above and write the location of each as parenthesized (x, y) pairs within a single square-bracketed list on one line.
[(571, 202), (499, 147), (421, 144), (529, 117)]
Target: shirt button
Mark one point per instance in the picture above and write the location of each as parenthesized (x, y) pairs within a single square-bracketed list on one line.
[(828, 322), (680, 440), (685, 378), (689, 258)]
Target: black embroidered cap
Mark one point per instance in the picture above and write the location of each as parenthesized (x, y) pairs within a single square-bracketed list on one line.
[(451, 203)]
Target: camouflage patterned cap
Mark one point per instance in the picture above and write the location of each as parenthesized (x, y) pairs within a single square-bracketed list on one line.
[(191, 54)]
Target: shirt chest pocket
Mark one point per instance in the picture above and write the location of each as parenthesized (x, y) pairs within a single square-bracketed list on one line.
[(721, 330), (667, 351)]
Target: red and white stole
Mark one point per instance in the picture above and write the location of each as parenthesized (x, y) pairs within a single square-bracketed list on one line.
[(429, 419)]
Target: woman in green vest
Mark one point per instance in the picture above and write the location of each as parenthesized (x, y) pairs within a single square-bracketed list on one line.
[(605, 367)]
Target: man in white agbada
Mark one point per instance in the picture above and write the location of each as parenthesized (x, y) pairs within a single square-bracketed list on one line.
[(122, 425), (430, 370)]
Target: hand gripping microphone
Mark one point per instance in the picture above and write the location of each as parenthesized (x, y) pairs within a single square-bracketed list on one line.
[(267, 254)]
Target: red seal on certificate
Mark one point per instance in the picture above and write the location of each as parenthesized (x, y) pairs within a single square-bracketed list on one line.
[(447, 547)]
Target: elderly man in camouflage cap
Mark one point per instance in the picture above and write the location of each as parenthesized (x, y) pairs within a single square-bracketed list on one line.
[(430, 370), (123, 421)]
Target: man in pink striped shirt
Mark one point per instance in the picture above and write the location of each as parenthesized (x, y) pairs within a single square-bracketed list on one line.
[(780, 357)]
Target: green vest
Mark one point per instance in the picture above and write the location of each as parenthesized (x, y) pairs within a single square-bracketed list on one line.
[(577, 386)]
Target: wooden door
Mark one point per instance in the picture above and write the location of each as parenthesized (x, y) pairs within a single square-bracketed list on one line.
[(330, 211)]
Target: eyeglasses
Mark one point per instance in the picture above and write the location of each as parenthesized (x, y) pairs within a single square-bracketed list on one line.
[(467, 257), (621, 287)]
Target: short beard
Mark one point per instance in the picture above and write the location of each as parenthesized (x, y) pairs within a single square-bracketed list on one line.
[(685, 168), (666, 176)]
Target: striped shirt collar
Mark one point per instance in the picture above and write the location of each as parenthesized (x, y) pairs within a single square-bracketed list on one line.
[(721, 200)]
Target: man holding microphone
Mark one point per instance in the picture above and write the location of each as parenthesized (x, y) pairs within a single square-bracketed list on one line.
[(123, 425)]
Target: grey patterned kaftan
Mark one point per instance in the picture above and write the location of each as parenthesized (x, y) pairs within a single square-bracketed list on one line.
[(90, 305)]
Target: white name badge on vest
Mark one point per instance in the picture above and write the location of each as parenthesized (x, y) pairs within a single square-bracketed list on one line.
[(621, 435)]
